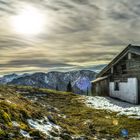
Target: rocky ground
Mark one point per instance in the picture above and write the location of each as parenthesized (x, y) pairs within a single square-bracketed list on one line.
[(32, 113)]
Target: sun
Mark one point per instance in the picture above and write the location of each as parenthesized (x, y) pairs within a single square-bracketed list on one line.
[(29, 21)]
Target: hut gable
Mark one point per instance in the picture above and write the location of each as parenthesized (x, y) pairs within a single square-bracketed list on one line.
[(126, 55)]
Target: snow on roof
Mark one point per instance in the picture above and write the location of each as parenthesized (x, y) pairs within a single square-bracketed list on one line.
[(100, 79)]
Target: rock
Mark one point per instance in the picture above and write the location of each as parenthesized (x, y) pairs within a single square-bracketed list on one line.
[(66, 136), (54, 134), (51, 119), (2, 126), (81, 138), (92, 129), (11, 135)]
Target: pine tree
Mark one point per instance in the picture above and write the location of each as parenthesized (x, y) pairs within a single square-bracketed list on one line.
[(69, 87), (87, 91), (57, 87)]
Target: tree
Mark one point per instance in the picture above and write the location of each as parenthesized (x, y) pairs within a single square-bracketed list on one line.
[(87, 91), (57, 87), (69, 87)]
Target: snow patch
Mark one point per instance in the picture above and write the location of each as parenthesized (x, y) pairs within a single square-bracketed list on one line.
[(14, 123), (123, 108), (46, 80), (8, 101), (63, 116), (25, 134), (43, 125)]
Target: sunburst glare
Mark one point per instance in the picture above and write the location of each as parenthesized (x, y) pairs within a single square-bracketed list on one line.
[(29, 21)]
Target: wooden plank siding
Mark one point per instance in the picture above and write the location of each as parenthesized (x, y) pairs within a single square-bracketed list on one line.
[(104, 91)]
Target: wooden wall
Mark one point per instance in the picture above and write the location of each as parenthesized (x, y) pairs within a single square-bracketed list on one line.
[(100, 88)]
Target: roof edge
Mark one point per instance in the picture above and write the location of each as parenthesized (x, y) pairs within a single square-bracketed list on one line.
[(124, 51)]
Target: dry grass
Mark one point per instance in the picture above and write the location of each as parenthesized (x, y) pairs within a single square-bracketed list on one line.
[(80, 119)]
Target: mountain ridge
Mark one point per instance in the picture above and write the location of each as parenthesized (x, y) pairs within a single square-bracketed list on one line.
[(53, 80)]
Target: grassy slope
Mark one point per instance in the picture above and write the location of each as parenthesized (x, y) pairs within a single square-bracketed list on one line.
[(83, 120), (80, 120), (14, 107)]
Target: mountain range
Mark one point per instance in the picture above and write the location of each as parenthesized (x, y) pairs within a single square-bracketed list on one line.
[(80, 80)]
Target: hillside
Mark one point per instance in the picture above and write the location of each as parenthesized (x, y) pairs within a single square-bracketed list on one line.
[(33, 113)]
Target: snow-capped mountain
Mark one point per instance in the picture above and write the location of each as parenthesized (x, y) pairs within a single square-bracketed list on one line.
[(8, 78), (59, 80)]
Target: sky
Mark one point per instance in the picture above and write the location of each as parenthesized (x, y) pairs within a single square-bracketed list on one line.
[(75, 34)]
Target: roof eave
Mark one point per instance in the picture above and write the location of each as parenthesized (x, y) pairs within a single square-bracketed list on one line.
[(116, 60)]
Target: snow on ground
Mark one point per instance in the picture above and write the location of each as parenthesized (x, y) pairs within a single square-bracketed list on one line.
[(8, 101), (123, 108), (14, 123), (25, 134), (44, 125)]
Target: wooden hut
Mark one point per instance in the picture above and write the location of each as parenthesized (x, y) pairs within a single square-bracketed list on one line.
[(121, 77)]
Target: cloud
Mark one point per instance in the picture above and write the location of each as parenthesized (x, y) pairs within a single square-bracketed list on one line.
[(77, 33), (34, 63)]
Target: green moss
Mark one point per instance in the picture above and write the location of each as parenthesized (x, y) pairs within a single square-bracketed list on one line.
[(2, 133), (35, 133), (5, 117)]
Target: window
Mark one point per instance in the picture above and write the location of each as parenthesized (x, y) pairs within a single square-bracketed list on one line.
[(116, 86)]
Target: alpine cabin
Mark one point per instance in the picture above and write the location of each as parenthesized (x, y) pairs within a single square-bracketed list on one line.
[(121, 77)]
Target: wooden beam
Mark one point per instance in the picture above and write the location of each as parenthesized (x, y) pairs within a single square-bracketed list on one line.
[(129, 56), (112, 70)]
